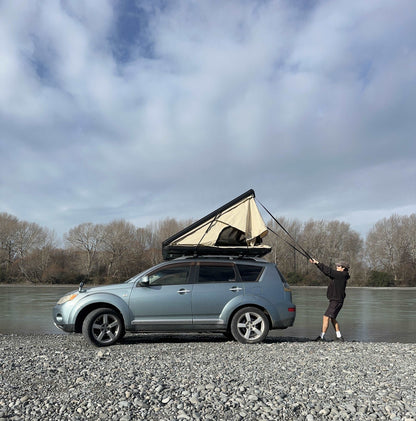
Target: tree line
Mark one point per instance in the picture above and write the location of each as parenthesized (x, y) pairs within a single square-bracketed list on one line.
[(113, 252)]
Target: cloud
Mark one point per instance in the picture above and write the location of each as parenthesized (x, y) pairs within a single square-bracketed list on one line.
[(148, 110)]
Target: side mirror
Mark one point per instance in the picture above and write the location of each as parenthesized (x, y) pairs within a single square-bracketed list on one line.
[(81, 286), (144, 282)]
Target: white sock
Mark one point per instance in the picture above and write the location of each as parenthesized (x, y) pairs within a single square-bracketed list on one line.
[(322, 335), (338, 334)]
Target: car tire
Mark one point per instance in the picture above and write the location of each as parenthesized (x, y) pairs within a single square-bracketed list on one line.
[(103, 327), (249, 325)]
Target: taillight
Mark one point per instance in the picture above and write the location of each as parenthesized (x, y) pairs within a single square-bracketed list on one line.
[(291, 309)]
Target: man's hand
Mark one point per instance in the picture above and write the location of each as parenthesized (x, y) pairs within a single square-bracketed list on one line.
[(314, 261)]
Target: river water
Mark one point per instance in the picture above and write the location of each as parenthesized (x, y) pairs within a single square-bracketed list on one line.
[(368, 315)]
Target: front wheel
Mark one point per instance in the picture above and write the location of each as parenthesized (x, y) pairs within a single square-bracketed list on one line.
[(103, 327), (249, 325)]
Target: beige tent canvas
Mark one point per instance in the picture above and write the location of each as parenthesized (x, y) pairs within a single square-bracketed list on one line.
[(236, 228)]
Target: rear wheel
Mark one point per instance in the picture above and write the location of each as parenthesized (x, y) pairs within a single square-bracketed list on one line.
[(103, 327), (249, 325)]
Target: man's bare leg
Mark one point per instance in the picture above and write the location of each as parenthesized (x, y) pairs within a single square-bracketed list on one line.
[(337, 329), (325, 324), (335, 324)]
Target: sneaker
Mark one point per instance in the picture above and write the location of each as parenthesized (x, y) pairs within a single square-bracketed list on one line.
[(319, 339), (341, 339)]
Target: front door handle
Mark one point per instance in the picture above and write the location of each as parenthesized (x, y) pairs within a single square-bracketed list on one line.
[(183, 291), (236, 289)]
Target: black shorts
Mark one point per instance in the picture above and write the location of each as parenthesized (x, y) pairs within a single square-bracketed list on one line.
[(333, 309)]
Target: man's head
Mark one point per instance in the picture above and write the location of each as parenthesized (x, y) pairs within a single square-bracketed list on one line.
[(341, 265)]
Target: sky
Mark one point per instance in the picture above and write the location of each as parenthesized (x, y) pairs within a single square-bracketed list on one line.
[(147, 110)]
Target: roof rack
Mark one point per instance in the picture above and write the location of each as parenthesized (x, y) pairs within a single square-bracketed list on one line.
[(170, 252), (223, 257)]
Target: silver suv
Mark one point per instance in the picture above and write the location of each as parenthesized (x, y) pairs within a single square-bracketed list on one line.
[(242, 298)]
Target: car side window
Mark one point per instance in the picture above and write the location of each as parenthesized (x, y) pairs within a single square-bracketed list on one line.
[(249, 273), (174, 275), (216, 273)]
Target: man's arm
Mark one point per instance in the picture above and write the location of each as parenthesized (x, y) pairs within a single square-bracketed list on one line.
[(323, 268)]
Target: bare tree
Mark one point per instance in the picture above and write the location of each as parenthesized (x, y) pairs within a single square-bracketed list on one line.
[(29, 236), (36, 264), (160, 231), (382, 247), (409, 252), (86, 239), (119, 246), (119, 249), (283, 252), (326, 241), (33, 246), (391, 247), (8, 228), (23, 246)]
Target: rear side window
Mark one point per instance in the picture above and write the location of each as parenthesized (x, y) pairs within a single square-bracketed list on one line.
[(216, 273), (249, 273)]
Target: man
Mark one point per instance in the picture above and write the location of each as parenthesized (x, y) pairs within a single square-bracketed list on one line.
[(335, 294)]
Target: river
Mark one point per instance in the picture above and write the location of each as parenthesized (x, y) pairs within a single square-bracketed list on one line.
[(368, 315)]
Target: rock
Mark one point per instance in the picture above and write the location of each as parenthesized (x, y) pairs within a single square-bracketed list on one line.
[(204, 380)]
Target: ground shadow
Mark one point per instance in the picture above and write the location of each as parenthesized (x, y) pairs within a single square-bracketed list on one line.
[(148, 338), (282, 339)]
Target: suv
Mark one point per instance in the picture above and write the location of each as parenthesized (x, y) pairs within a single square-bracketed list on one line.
[(242, 298)]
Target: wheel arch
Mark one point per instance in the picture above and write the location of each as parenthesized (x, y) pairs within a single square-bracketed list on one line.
[(93, 306), (243, 305)]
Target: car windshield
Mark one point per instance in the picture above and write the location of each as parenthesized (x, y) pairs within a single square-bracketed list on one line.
[(139, 275)]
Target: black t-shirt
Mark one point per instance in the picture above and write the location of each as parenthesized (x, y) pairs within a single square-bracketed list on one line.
[(338, 283)]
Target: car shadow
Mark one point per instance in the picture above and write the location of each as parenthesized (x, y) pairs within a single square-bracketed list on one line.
[(151, 338), (282, 339)]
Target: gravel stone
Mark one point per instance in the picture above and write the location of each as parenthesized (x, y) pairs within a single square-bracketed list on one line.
[(204, 377)]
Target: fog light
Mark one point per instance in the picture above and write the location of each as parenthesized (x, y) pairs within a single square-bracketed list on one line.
[(59, 318)]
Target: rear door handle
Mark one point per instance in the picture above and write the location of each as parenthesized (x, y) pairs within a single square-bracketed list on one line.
[(236, 289), (183, 291)]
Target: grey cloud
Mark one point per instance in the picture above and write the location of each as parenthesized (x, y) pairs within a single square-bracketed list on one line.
[(200, 103)]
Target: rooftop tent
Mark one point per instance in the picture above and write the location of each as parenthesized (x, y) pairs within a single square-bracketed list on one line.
[(236, 228)]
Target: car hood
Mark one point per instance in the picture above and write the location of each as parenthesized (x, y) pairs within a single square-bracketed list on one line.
[(115, 288)]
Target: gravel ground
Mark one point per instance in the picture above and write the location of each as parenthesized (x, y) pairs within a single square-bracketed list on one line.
[(205, 377)]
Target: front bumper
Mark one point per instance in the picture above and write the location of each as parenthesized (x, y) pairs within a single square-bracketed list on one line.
[(60, 321), (65, 328)]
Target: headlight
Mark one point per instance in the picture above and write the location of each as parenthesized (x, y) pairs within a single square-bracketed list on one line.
[(66, 298)]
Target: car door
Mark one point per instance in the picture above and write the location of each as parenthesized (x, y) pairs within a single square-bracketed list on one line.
[(216, 284), (162, 299)]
